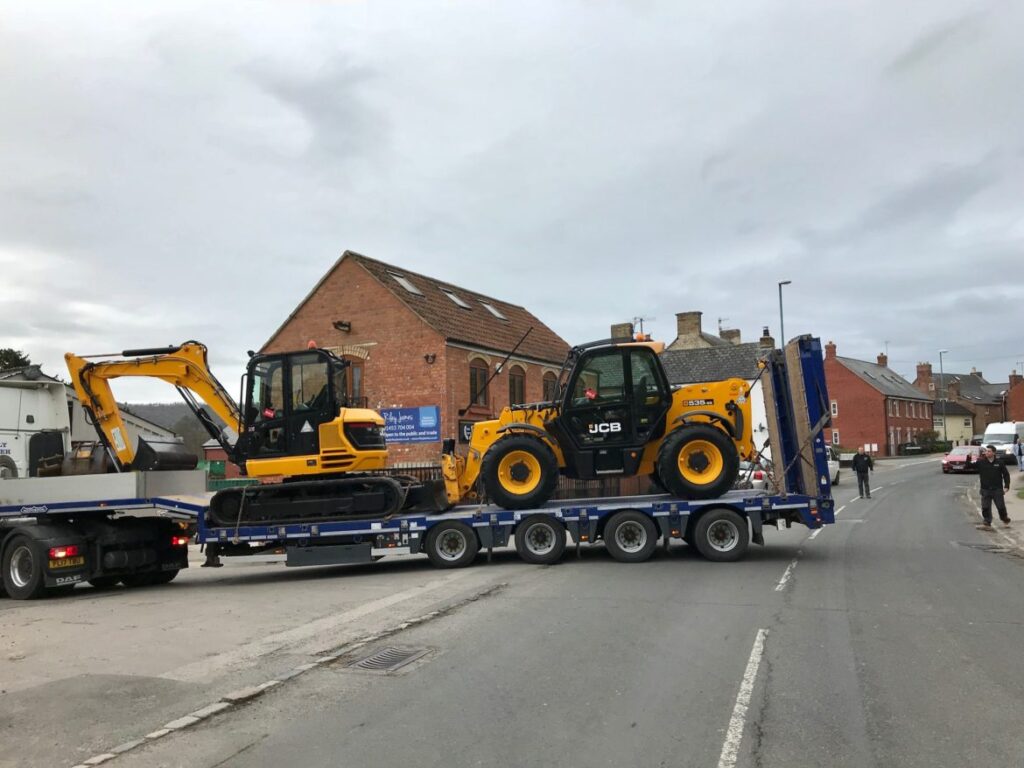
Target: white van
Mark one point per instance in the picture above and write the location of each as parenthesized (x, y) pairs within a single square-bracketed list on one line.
[(1000, 434)]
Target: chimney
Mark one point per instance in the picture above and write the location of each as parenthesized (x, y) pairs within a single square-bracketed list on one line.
[(830, 351), (732, 335), (688, 323), (924, 371), (622, 331), (1015, 378), (976, 372), (952, 388), (883, 360), (766, 341)]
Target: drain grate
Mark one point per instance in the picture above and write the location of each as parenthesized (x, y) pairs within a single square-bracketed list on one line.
[(388, 659)]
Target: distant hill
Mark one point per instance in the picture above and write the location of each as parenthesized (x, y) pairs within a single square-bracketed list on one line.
[(164, 414)]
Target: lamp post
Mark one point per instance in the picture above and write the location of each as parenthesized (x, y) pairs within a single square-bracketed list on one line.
[(782, 327), (942, 392)]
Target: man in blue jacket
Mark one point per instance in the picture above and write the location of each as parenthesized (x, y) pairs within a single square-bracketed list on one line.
[(995, 480)]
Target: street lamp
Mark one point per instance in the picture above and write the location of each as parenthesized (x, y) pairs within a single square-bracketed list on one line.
[(942, 391), (782, 328)]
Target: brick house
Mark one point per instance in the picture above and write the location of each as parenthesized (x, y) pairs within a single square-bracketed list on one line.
[(1015, 398), (873, 405), (983, 399), (420, 343)]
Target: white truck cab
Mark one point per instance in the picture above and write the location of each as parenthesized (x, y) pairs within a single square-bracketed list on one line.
[(1001, 434), (34, 424)]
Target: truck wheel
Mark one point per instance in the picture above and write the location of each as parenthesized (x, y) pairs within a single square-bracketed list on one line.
[(519, 472), (23, 568), (698, 461), (105, 582), (452, 544), (540, 539), (721, 535), (162, 577), (630, 536)]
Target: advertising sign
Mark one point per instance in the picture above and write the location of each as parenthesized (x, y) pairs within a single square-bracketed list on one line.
[(412, 425)]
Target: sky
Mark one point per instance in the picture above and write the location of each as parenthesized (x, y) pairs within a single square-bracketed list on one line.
[(177, 170)]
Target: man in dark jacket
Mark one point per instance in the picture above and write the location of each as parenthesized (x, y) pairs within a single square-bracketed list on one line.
[(995, 479), (862, 464)]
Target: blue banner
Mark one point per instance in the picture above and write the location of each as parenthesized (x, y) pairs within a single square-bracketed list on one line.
[(412, 425)]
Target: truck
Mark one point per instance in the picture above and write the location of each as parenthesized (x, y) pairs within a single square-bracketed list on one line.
[(34, 424), (127, 527)]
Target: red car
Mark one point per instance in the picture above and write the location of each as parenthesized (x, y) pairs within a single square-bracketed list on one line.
[(961, 459)]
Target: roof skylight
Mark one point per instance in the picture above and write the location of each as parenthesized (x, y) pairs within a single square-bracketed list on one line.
[(403, 281), (493, 310), (455, 298)]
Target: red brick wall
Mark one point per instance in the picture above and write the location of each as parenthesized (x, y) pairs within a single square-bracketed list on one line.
[(231, 470), (1015, 402)]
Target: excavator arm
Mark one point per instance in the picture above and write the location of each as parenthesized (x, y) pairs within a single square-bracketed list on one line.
[(183, 366)]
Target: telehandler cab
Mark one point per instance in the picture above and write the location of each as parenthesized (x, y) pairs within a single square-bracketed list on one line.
[(614, 413)]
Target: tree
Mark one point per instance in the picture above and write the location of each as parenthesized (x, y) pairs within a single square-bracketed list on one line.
[(12, 358)]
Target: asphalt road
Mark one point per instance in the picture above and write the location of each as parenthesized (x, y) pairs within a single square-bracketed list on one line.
[(889, 639)]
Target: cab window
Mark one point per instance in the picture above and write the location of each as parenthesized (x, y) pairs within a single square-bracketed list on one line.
[(310, 388), (600, 380)]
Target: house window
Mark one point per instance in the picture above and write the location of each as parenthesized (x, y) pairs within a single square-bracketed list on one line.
[(516, 385), (406, 283), (456, 299), (835, 408), (896, 404), (835, 437), (937, 421), (550, 387), (493, 310), (967, 422), (478, 374), (931, 386)]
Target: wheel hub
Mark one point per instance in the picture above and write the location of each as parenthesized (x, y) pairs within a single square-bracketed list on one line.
[(698, 461), (519, 472), (21, 567)]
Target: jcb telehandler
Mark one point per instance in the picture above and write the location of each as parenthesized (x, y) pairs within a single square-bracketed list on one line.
[(615, 413), (295, 423)]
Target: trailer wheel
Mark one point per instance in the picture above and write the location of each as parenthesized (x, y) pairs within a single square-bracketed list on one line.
[(540, 539), (452, 544), (698, 461), (519, 472), (23, 568), (162, 577), (105, 582), (721, 535), (630, 536)]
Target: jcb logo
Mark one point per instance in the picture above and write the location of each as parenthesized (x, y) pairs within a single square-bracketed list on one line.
[(603, 429)]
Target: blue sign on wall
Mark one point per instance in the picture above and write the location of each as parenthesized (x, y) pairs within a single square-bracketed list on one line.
[(412, 425)]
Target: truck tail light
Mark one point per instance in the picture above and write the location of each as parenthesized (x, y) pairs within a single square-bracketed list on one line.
[(59, 553), (758, 475), (179, 541)]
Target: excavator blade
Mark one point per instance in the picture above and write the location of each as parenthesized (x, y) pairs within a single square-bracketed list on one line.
[(426, 496), (163, 455)]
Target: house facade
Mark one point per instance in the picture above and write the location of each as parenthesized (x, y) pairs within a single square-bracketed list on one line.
[(953, 422), (872, 405), (425, 353), (986, 401)]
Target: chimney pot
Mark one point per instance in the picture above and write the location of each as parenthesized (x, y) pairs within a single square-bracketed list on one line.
[(830, 351), (883, 360)]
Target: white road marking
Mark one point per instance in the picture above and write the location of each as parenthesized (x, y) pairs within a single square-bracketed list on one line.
[(786, 576), (815, 533), (840, 509), (734, 734)]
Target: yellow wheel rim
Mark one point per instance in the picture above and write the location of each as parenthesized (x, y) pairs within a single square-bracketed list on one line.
[(700, 462), (519, 472)]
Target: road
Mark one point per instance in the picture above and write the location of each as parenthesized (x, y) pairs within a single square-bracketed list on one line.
[(890, 638)]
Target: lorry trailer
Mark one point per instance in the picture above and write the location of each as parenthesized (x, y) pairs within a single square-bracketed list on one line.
[(130, 527)]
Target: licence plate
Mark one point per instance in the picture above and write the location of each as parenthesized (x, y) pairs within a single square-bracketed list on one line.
[(67, 562)]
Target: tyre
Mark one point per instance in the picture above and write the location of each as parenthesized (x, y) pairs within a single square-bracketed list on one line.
[(163, 577), (721, 535), (519, 472), (698, 461), (540, 539), (836, 481), (105, 582), (23, 564), (631, 537), (452, 544)]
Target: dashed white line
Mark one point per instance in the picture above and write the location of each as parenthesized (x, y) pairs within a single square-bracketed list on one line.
[(786, 576), (734, 734), (840, 509), (813, 535)]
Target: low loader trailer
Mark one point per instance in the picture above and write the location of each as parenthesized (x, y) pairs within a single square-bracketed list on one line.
[(134, 527)]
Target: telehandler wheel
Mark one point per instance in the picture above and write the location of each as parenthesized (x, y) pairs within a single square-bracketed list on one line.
[(452, 544), (698, 461), (630, 536), (23, 563), (540, 539), (519, 472), (721, 535)]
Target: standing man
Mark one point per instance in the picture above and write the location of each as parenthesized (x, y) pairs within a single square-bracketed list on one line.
[(862, 464), (995, 480), (1018, 451)]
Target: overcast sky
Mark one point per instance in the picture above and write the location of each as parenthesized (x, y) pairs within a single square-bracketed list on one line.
[(172, 171)]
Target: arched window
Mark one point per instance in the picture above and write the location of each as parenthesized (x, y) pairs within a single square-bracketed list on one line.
[(478, 382), (550, 386), (516, 385)]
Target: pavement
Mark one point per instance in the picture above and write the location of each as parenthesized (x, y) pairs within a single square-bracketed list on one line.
[(1013, 536)]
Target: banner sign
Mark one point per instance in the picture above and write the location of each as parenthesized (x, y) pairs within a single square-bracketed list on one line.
[(412, 425)]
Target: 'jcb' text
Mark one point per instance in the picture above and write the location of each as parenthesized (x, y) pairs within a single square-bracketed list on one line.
[(600, 429)]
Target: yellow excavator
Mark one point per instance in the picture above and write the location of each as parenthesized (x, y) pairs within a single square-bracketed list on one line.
[(615, 413), (295, 422)]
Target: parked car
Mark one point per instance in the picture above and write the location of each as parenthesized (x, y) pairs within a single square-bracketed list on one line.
[(833, 465), (961, 459), (754, 475)]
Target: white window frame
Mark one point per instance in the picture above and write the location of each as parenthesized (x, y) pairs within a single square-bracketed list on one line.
[(835, 437), (835, 407)]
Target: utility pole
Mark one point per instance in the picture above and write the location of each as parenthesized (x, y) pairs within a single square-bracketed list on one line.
[(782, 327), (942, 391)]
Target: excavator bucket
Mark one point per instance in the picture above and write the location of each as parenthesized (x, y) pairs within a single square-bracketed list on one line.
[(155, 455), (424, 495)]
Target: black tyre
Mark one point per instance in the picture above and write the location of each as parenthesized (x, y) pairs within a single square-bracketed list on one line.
[(631, 537), (836, 481), (105, 582), (23, 563), (540, 539), (452, 544), (698, 462), (721, 535), (163, 577), (519, 472)]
